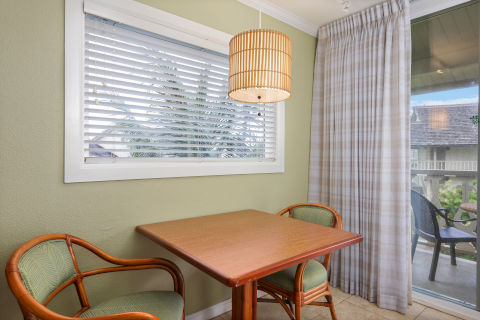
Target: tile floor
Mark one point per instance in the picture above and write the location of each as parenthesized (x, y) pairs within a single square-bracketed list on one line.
[(348, 307)]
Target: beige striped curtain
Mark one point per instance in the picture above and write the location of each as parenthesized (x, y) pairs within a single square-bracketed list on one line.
[(360, 148)]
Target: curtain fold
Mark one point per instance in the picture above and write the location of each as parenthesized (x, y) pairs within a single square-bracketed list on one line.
[(360, 147)]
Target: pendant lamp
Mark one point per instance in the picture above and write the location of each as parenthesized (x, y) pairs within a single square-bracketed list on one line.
[(260, 63)]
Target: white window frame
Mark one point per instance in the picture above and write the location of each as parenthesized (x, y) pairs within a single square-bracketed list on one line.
[(144, 17)]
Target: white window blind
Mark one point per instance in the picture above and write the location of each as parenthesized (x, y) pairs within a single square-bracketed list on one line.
[(146, 96)]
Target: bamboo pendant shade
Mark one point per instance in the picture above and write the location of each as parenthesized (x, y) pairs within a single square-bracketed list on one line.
[(260, 66)]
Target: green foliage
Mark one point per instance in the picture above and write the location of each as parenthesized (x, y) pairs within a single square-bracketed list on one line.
[(472, 195), (450, 198), (474, 119)]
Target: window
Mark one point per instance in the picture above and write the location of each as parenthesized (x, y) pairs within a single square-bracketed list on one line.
[(141, 104)]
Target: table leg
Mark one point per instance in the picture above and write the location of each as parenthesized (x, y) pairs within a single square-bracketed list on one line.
[(244, 301)]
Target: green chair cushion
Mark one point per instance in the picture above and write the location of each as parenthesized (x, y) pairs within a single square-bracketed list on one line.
[(316, 215), (314, 275), (167, 305), (45, 267)]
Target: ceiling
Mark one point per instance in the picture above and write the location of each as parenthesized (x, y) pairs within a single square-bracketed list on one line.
[(309, 15), (445, 49), (320, 12)]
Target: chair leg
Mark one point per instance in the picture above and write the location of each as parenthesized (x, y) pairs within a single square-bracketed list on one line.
[(330, 305), (414, 244), (298, 311), (453, 259), (433, 267), (290, 304), (282, 302)]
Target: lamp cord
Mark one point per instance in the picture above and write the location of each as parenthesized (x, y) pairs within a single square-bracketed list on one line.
[(259, 18)]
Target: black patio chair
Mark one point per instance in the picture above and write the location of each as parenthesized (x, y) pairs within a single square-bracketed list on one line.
[(426, 226)]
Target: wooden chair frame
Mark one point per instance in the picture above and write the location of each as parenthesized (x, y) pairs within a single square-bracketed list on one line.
[(34, 310), (298, 297)]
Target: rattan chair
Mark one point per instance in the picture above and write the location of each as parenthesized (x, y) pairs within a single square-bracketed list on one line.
[(303, 284), (426, 226), (42, 267)]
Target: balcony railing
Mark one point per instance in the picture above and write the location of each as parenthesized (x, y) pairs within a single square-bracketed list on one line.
[(443, 165)]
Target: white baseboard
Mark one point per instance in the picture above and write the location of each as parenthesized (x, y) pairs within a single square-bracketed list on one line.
[(446, 306), (215, 310)]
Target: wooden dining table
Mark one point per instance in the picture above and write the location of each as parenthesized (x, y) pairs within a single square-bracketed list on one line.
[(237, 248)]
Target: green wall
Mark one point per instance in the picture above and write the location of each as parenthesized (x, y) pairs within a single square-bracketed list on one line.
[(34, 200)]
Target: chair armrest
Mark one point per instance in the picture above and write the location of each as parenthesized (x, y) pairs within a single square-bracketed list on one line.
[(465, 220), (132, 264), (281, 213), (299, 276), (143, 264), (443, 214)]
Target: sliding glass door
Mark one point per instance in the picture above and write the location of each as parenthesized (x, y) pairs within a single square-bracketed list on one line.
[(444, 152)]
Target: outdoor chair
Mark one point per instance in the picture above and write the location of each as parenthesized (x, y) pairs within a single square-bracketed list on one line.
[(42, 267), (305, 283), (426, 226)]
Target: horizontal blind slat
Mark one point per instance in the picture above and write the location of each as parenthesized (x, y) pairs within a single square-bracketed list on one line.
[(143, 97), (146, 150), (94, 138), (179, 116), (172, 145), (169, 120), (268, 136), (174, 109), (253, 132)]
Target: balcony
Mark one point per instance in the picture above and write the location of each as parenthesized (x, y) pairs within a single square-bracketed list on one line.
[(447, 184), (437, 167)]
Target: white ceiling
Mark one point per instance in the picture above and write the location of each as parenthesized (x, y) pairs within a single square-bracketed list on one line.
[(320, 12)]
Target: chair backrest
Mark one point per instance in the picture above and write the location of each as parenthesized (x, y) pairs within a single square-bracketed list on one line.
[(45, 267), (425, 214), (41, 268), (315, 213)]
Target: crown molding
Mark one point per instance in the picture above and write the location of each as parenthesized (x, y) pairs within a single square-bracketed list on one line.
[(283, 15), (418, 8)]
